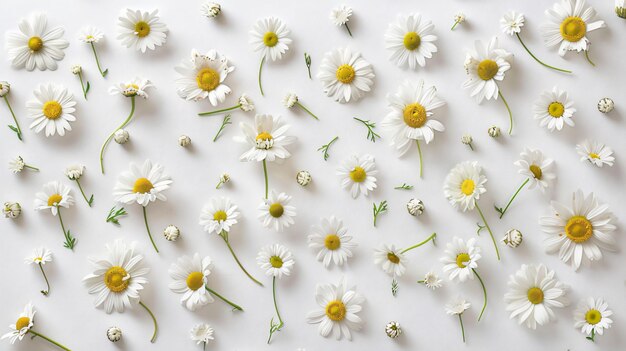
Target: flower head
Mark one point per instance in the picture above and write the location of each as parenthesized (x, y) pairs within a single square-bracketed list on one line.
[(595, 152), (512, 22), (90, 34), (201, 333), (290, 99), (76, 69), (40, 255), (486, 65), (358, 174), (219, 215), (569, 23), (592, 316), (22, 325), (121, 136), (16, 165), (5, 88), (554, 109), (331, 240), (432, 281), (275, 211), (337, 312), (457, 306), (276, 260), (210, 9), (410, 40), (141, 29), (538, 168), (54, 195), (142, 184), (266, 138), (11, 210), (131, 88), (246, 103), (459, 17), (270, 36), (464, 185), (74, 172), (460, 259), (114, 334), (390, 259), (52, 109), (393, 329), (346, 75), (340, 15), (203, 77), (189, 277)]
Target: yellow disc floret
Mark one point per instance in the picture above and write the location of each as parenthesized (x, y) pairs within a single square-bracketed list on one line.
[(535, 295), (487, 69), (52, 109), (578, 229), (462, 259), (142, 29), (536, 171), (142, 186), (414, 115), (345, 74), (358, 174), (21, 323), (116, 279), (208, 79), (276, 210), (336, 311), (593, 316), (573, 29), (270, 39), (195, 280), (467, 187), (556, 109), (220, 215), (54, 200), (35, 44), (276, 261), (412, 41)]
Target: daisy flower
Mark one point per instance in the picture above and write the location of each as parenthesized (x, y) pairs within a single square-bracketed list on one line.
[(39, 257), (459, 18), (189, 277), (118, 277), (74, 172), (456, 307), (533, 294), (141, 29), (579, 233), (270, 37), (34, 45), (24, 325), (17, 165), (339, 306), (553, 109), (142, 184), (431, 280), (219, 215), (596, 153), (592, 317), (569, 23), (53, 196), (340, 16), (409, 119), (201, 333), (92, 35), (5, 88), (346, 75), (331, 240), (410, 40), (358, 174), (275, 211), (210, 9), (203, 77), (52, 109), (487, 65)]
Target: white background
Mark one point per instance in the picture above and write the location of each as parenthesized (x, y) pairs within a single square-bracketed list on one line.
[(68, 314)]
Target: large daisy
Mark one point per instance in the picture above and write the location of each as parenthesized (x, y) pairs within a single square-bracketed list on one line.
[(220, 214), (346, 75), (579, 233), (34, 45), (358, 174), (189, 275), (52, 109), (331, 240), (141, 29), (270, 36), (554, 109), (339, 306), (592, 316), (410, 40), (203, 77), (275, 211)]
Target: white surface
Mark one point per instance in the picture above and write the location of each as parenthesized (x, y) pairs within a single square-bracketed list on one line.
[(68, 314)]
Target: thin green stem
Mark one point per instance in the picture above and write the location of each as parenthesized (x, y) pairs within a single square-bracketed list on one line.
[(235, 306), (95, 54), (275, 327), (48, 340), (307, 110), (31, 167), (47, 291), (260, 70), (224, 236), (538, 60), (203, 114), (593, 335), (145, 219), (348, 28), (506, 104), (154, 321), (266, 180), (90, 200), (69, 241), (513, 197), (462, 328), (488, 229), (419, 151), (482, 284), (82, 85), (588, 59), (454, 25), (431, 237), (17, 125), (108, 139)]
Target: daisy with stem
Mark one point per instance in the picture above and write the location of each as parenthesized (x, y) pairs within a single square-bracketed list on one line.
[(270, 37), (24, 325), (291, 99), (456, 308), (5, 88), (244, 103), (74, 173), (39, 257), (78, 70), (53, 196), (340, 16), (92, 35)]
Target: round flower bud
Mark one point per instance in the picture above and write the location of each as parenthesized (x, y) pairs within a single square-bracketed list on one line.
[(467, 139), (290, 99), (512, 238), (5, 88), (620, 8), (74, 172), (393, 330), (415, 207), (304, 178), (606, 105), (114, 334), (171, 233), (184, 140), (493, 131), (211, 9), (12, 210), (76, 69), (121, 136)]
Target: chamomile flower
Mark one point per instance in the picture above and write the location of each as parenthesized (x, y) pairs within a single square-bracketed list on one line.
[(464, 185), (22, 326), (358, 174), (537, 168), (592, 316), (141, 30), (276, 260), (189, 277), (90, 34), (410, 40), (460, 259), (340, 16), (512, 22), (53, 196), (275, 211), (17, 165), (219, 215), (270, 36), (346, 75), (595, 153), (201, 333), (203, 77), (533, 294), (338, 310), (554, 109), (40, 257), (52, 109), (210, 9), (391, 260), (131, 88), (5, 89), (331, 240), (432, 281), (579, 233), (456, 307), (35, 45)]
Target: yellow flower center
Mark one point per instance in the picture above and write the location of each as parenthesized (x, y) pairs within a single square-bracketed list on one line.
[(116, 279), (195, 280), (54, 200), (345, 74), (220, 216), (536, 171), (593, 317), (414, 115), (593, 155), (393, 258), (89, 36), (52, 109), (573, 29), (264, 136), (332, 242), (535, 296), (276, 261), (276, 210), (461, 259), (467, 187), (578, 229), (142, 186), (556, 109), (336, 311), (412, 41), (270, 39), (208, 79), (35, 44), (22, 322), (487, 69), (142, 29), (358, 174)]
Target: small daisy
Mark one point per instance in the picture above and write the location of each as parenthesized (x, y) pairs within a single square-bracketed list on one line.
[(459, 18), (52, 109), (460, 259), (358, 174), (339, 306), (210, 9), (219, 215), (34, 45), (346, 75), (553, 109), (340, 16), (596, 153), (141, 29), (201, 333), (533, 294), (190, 275), (24, 325), (331, 241), (270, 36), (456, 307), (39, 257), (579, 233), (203, 77), (592, 317), (53, 196), (391, 260), (17, 165), (275, 211), (432, 281), (410, 40), (92, 35)]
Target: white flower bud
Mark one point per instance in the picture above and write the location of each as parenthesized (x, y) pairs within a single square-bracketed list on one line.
[(415, 207), (114, 334), (494, 131), (171, 233), (76, 69), (12, 210), (393, 329), (121, 136), (606, 105), (512, 238), (304, 178), (184, 140)]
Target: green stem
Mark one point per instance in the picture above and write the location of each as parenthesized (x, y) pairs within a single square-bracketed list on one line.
[(482, 284), (108, 139), (224, 236), (219, 111), (95, 54), (145, 219), (431, 237), (593, 335), (506, 104), (488, 229), (307, 110), (48, 340), (44, 292), (275, 328), (462, 329), (82, 85), (348, 28), (419, 151), (235, 306), (90, 200), (260, 69), (154, 321), (513, 197), (69, 241), (31, 167), (538, 60), (266, 180), (17, 125), (588, 59), (454, 25)]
